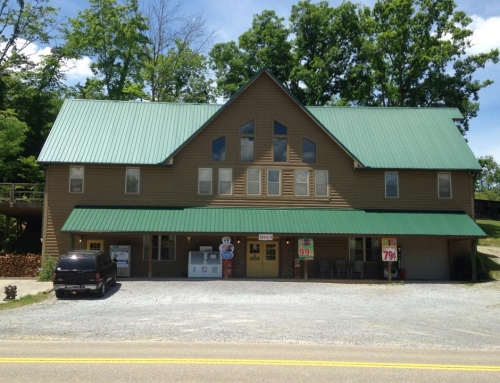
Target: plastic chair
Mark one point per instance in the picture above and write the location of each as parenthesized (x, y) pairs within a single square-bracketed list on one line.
[(357, 268), (342, 268), (325, 268)]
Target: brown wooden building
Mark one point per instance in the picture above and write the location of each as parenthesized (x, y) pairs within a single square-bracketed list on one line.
[(264, 170)]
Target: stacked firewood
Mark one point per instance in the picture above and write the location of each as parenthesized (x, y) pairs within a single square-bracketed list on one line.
[(12, 266)]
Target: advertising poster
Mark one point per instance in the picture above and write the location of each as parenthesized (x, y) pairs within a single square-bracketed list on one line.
[(306, 249), (389, 249)]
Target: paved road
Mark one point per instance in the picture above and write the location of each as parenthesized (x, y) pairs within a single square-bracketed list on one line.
[(24, 361)]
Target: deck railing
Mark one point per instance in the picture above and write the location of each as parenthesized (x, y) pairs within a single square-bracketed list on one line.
[(20, 193)]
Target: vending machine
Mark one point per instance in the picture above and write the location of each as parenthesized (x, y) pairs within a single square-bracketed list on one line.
[(121, 255)]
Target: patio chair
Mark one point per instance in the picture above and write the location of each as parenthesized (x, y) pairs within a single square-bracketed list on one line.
[(325, 268), (342, 268), (357, 269)]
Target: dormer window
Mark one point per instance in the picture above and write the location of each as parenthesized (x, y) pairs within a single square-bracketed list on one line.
[(247, 141), (444, 185), (308, 151), (219, 149), (280, 142)]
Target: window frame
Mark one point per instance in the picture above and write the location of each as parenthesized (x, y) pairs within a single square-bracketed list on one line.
[(268, 182), (375, 249), (397, 184), (211, 181), (148, 247), (223, 156), (230, 181), (326, 184), (259, 189), (249, 136), (315, 151), (73, 178), (296, 183), (449, 183), (138, 179), (280, 136)]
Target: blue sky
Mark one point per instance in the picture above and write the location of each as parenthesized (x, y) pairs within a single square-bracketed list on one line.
[(233, 17)]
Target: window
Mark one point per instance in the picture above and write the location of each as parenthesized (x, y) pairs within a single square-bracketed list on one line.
[(132, 180), (76, 177), (162, 247), (444, 185), (308, 151), (391, 185), (219, 149), (365, 249), (247, 141), (205, 181), (321, 183), (301, 182), (253, 181), (226, 181), (280, 142), (274, 182)]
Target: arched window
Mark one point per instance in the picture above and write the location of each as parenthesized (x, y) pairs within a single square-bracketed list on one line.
[(247, 141), (280, 142), (219, 149)]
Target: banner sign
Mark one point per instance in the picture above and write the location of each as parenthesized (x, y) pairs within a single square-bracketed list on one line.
[(389, 249), (306, 249)]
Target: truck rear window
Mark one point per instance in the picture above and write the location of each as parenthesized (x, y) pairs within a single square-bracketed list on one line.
[(79, 264)]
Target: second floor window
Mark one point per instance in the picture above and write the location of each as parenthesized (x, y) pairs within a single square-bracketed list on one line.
[(253, 181), (321, 183), (391, 185), (219, 149), (132, 180), (301, 182), (280, 142), (226, 181), (274, 182), (205, 181), (247, 141), (444, 185), (76, 178)]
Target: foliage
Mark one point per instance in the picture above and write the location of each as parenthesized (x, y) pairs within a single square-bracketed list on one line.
[(49, 264), (12, 134), (492, 230), (111, 34), (405, 53)]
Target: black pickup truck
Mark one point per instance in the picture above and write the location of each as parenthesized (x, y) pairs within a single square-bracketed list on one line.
[(80, 271)]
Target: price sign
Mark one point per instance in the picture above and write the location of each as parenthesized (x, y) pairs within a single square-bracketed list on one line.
[(306, 249), (389, 249)]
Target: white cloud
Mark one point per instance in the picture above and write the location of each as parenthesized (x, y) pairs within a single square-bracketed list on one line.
[(77, 71), (486, 36)]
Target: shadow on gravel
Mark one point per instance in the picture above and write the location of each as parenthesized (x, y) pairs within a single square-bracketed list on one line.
[(110, 291)]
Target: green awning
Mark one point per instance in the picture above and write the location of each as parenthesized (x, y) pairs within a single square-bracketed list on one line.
[(100, 219)]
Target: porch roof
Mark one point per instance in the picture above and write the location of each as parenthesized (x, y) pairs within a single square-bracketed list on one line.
[(112, 219)]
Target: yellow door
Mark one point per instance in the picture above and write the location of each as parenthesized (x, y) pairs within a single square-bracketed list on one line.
[(262, 259), (95, 244)]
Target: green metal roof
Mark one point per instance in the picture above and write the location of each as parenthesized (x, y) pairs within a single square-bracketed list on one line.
[(277, 221), (400, 138), (114, 132), (118, 132)]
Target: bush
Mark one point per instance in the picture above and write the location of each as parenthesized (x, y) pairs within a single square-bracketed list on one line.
[(48, 266)]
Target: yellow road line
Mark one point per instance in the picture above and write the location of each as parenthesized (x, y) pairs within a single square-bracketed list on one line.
[(314, 363)]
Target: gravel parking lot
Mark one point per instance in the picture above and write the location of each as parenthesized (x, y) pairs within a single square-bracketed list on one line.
[(411, 314)]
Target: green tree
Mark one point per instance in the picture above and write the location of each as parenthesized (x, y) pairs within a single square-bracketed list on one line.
[(417, 56), (175, 68), (487, 183), (113, 36), (265, 44), (12, 133)]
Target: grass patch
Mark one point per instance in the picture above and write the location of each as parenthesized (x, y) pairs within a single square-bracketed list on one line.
[(25, 301), (492, 229), (490, 265)]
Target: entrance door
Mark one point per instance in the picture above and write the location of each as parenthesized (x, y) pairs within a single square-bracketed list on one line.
[(95, 244), (262, 259)]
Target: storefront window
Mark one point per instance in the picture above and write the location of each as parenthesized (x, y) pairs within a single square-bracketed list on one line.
[(364, 249), (162, 247)]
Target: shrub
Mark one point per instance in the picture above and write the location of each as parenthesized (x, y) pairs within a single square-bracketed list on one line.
[(49, 264), (462, 269)]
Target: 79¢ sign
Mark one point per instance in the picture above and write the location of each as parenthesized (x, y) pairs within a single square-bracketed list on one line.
[(389, 249), (306, 249)]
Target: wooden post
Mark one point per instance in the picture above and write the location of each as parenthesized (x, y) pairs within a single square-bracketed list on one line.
[(389, 271), (305, 269)]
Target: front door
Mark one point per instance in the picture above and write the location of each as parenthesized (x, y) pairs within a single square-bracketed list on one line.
[(262, 259)]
